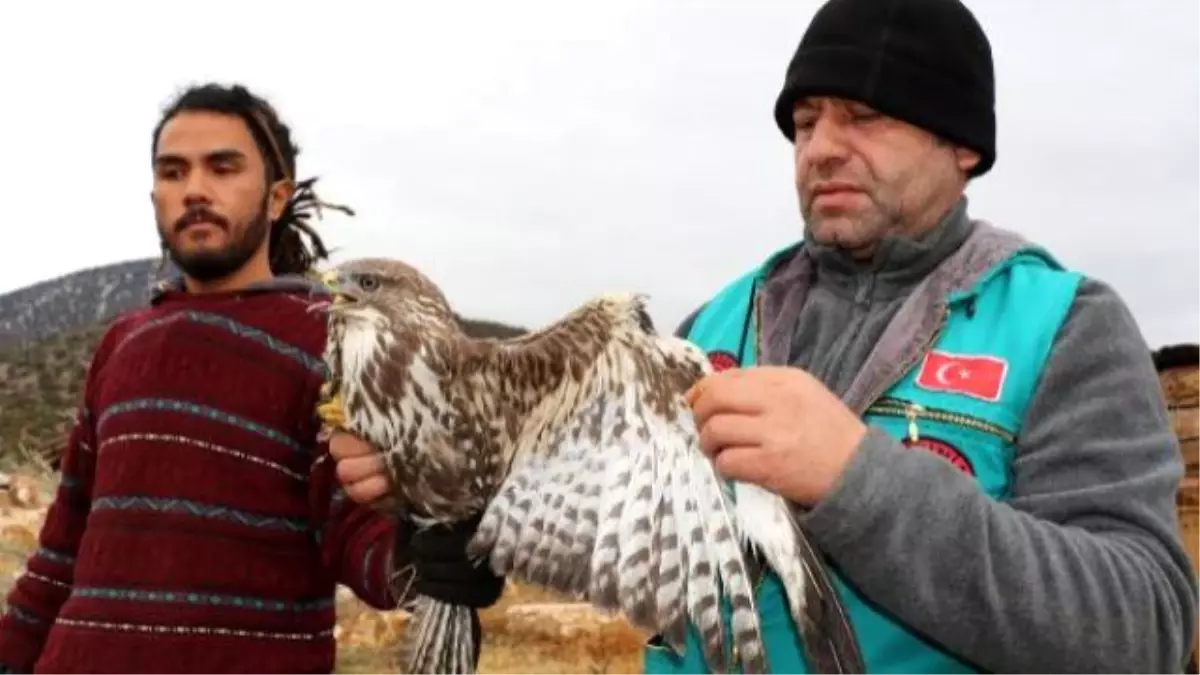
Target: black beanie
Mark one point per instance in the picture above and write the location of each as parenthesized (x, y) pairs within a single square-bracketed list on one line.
[(926, 62)]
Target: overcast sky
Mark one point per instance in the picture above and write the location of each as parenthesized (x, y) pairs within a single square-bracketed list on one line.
[(530, 155)]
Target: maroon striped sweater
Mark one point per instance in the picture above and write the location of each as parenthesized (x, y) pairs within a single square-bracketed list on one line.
[(199, 525)]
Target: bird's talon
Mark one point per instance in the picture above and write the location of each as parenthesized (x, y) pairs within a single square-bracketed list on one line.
[(332, 413)]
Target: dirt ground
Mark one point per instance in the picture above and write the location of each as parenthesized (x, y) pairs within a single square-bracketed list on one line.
[(528, 631)]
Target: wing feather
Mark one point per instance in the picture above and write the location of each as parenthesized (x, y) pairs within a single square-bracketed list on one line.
[(647, 526), (533, 526), (701, 587), (673, 560), (505, 516), (603, 588), (576, 578), (552, 548), (637, 555)]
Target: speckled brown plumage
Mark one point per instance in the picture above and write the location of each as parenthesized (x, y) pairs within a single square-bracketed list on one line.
[(576, 444)]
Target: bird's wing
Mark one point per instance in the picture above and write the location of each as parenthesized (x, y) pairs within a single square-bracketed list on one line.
[(610, 499)]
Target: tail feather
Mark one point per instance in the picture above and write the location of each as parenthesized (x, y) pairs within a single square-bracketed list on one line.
[(440, 638)]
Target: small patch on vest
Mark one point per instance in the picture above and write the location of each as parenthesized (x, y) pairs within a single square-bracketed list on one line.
[(979, 376), (945, 451), (722, 360)]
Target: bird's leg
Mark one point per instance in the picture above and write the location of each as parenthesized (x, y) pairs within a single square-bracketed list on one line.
[(331, 410)]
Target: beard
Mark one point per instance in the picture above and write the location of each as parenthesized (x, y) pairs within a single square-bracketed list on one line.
[(856, 229), (846, 228), (209, 265)]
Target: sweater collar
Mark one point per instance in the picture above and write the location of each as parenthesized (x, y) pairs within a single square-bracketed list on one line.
[(173, 289)]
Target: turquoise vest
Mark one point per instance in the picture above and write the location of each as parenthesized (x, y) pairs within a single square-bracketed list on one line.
[(1012, 313)]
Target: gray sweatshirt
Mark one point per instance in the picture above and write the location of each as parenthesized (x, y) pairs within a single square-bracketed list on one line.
[(1082, 569)]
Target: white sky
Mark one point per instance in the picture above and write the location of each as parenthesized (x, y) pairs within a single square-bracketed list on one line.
[(528, 155)]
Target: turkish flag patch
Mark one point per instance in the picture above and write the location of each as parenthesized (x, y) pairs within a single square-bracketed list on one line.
[(978, 376)]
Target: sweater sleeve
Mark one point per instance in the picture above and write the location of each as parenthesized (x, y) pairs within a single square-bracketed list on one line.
[(39, 593), (1083, 569), (359, 545)]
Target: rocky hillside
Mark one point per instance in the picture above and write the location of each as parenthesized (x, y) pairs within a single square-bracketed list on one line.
[(47, 334), (75, 301)]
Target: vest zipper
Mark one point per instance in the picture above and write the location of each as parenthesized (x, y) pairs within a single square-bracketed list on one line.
[(915, 411)]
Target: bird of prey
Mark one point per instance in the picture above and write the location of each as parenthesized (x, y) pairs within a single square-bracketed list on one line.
[(576, 444)]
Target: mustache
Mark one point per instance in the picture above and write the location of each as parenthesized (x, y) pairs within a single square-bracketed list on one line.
[(201, 215)]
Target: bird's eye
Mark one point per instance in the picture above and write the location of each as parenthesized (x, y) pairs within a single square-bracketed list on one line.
[(368, 282)]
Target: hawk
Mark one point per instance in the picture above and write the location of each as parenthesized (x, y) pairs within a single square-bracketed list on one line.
[(576, 444)]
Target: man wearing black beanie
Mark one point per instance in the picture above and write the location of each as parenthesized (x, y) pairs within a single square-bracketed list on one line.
[(927, 62), (973, 435)]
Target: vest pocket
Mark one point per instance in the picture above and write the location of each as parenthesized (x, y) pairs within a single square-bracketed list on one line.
[(978, 447)]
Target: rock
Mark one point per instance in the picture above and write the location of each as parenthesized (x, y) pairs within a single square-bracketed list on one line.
[(557, 619), (18, 536), (23, 491)]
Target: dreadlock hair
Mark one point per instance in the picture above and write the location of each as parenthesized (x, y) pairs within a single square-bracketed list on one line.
[(288, 252)]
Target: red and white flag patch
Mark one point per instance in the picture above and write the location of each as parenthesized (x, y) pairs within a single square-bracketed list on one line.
[(978, 376)]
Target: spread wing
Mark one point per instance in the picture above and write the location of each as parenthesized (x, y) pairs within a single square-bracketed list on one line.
[(609, 498)]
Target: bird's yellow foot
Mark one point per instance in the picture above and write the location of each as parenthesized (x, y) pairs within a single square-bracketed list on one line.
[(332, 412)]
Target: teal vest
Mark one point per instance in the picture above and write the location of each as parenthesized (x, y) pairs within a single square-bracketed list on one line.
[(1012, 315)]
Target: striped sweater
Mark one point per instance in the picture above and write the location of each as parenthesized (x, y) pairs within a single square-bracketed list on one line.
[(199, 525)]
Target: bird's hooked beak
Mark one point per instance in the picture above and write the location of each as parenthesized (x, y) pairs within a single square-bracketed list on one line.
[(332, 280)]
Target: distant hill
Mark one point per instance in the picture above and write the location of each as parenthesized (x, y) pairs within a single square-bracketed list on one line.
[(47, 334), (93, 296), (74, 301)]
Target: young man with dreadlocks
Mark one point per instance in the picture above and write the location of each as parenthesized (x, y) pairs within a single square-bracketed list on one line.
[(200, 524)]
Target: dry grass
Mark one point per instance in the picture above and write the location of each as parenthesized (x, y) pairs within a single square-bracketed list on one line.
[(527, 631)]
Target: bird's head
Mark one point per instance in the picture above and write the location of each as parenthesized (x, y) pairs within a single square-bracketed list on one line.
[(384, 294), (383, 314), (387, 288)]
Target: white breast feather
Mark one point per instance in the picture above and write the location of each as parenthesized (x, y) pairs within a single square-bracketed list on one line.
[(366, 341)]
